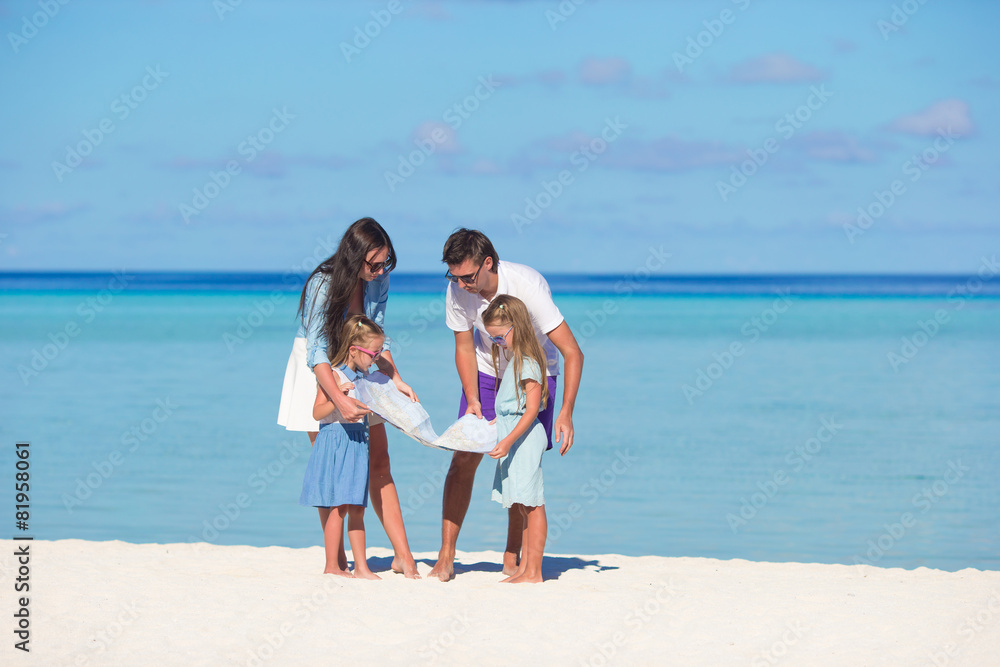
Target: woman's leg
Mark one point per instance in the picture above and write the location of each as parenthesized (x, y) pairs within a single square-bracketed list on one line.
[(385, 502), (325, 511), (332, 519), (534, 546), (356, 533)]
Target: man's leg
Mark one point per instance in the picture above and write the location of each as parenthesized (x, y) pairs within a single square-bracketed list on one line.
[(515, 529), (457, 494)]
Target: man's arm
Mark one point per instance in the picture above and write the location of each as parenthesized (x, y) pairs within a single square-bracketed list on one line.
[(468, 370), (572, 355)]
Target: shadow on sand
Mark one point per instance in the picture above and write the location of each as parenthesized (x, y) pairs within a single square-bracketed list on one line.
[(552, 566)]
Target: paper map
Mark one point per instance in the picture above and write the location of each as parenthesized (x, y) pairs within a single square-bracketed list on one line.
[(468, 434)]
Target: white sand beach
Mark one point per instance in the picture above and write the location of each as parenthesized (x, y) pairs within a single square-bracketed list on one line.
[(115, 603)]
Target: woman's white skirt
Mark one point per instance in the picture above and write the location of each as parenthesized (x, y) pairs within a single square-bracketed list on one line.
[(298, 394)]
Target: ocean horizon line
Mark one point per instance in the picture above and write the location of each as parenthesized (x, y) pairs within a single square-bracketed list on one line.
[(639, 283)]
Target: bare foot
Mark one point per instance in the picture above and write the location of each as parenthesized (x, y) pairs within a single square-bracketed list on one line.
[(510, 563), (507, 580), (340, 573), (443, 570), (525, 579), (409, 570), (365, 574)]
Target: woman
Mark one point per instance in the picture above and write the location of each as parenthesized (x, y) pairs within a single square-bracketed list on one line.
[(352, 281)]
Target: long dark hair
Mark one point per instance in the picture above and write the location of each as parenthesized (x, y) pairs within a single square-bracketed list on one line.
[(341, 270)]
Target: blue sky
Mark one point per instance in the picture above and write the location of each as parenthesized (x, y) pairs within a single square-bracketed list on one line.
[(201, 78)]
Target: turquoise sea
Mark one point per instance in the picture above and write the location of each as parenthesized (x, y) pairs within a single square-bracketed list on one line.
[(832, 419)]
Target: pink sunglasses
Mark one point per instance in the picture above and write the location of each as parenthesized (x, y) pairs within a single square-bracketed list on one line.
[(374, 355)]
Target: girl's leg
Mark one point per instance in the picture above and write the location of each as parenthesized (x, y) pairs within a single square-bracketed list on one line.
[(332, 519), (522, 515), (325, 511), (356, 533), (534, 546), (385, 502)]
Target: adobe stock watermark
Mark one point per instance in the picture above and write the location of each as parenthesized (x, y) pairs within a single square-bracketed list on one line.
[(122, 107), (704, 39), (625, 288), (457, 625), (247, 325), (778, 649), (752, 329), (592, 490), (967, 630), (431, 488), (786, 126), (562, 12), (915, 167), (299, 616), (381, 18), (796, 458), (87, 311), (927, 329), (900, 14), (258, 481), (224, 7), (927, 498), (455, 115), (635, 620), (109, 635), (30, 25), (249, 148), (133, 438), (582, 158)]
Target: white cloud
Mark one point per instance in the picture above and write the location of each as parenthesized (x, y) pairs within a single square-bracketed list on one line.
[(947, 115), (774, 68)]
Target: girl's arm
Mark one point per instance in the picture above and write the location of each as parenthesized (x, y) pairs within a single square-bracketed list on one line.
[(533, 400), (323, 407), (388, 366)]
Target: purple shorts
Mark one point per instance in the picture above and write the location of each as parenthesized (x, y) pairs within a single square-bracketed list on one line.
[(488, 395)]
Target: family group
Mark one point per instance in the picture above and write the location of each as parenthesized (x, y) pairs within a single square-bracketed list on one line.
[(509, 335)]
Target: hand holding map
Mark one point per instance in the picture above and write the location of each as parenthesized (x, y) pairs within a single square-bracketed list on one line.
[(468, 434)]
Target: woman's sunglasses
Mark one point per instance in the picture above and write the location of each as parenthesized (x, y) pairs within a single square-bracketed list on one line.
[(374, 267)]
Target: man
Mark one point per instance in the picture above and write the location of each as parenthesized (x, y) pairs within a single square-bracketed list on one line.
[(477, 275)]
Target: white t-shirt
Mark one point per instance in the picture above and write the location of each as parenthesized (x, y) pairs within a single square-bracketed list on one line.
[(464, 311)]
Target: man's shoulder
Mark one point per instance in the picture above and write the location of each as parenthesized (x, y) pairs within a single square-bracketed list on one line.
[(457, 298), (521, 275)]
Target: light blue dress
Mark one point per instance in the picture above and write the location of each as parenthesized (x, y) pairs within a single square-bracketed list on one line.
[(518, 478)]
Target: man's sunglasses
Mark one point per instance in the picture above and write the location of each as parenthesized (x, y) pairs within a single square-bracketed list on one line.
[(468, 280)]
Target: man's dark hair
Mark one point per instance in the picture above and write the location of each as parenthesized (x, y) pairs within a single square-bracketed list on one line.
[(471, 244)]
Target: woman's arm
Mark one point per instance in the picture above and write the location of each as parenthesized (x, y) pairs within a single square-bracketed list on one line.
[(388, 366), (351, 408), (533, 400)]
